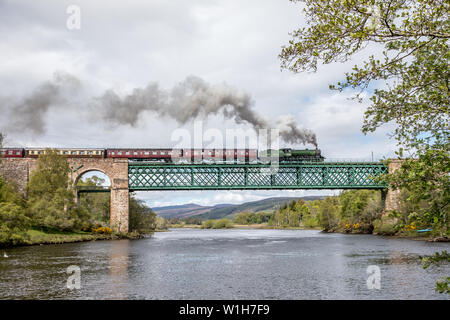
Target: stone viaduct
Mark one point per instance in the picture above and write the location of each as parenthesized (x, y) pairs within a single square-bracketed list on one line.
[(20, 169)]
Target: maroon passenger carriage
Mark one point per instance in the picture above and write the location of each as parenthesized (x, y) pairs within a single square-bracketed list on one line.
[(185, 155), (12, 153), (151, 154)]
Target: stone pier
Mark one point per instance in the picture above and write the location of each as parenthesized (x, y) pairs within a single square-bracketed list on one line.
[(393, 196)]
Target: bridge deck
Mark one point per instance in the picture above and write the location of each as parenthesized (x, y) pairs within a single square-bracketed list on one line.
[(358, 175)]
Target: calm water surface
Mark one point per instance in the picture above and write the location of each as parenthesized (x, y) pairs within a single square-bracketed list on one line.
[(225, 264)]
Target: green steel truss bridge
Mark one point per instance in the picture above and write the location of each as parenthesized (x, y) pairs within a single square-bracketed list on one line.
[(357, 175)]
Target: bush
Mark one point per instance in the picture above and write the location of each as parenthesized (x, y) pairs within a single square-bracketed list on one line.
[(223, 224), (208, 224), (14, 224), (384, 227), (102, 230), (310, 222)]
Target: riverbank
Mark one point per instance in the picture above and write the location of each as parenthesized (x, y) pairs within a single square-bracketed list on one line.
[(244, 226), (265, 226), (37, 237)]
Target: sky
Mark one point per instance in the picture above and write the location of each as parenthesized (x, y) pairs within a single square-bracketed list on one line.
[(121, 46)]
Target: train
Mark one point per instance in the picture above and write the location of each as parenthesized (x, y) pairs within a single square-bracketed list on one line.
[(167, 155)]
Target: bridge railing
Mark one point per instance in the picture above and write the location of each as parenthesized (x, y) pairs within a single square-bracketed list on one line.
[(255, 176)]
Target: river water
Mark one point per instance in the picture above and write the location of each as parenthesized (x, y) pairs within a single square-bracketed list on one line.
[(225, 264)]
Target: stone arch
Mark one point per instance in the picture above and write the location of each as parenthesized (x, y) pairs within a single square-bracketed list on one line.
[(80, 174), (117, 172)]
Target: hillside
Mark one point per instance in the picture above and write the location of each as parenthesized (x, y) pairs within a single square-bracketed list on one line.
[(185, 210), (223, 210)]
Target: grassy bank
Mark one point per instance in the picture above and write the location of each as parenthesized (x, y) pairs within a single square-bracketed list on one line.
[(38, 237)]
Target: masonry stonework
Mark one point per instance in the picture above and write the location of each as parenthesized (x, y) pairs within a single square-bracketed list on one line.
[(393, 196), (18, 170), (117, 172)]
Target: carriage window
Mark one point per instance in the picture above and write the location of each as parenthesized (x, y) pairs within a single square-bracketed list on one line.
[(127, 153), (135, 153), (154, 152), (146, 153), (119, 153)]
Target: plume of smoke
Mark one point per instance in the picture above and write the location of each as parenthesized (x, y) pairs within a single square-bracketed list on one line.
[(192, 99), (291, 133), (28, 112)]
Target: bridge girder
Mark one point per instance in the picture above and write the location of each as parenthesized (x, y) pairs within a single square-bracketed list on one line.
[(150, 176)]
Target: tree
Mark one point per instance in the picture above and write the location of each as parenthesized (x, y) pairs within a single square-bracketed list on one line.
[(414, 61), (410, 41), (141, 218), (13, 221), (97, 204), (328, 213), (50, 202)]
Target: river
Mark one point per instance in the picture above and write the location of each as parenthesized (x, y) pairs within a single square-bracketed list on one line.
[(225, 264)]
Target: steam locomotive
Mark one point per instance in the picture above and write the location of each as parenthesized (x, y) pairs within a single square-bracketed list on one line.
[(177, 155)]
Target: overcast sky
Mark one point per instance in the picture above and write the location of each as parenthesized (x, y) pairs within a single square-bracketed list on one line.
[(126, 45)]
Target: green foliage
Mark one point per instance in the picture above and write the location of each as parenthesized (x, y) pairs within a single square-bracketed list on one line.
[(217, 224), (208, 224), (97, 204), (252, 217), (14, 224), (427, 188), (385, 226), (142, 219), (192, 220), (442, 285), (223, 224), (50, 202), (8, 193), (13, 220), (328, 213), (414, 60)]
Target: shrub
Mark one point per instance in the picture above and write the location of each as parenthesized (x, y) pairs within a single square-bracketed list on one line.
[(208, 224), (223, 224), (384, 226), (102, 230)]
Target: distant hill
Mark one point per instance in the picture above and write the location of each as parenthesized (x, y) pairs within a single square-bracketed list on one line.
[(185, 210), (225, 210)]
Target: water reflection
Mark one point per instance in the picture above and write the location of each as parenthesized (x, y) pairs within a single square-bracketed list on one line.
[(119, 262)]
